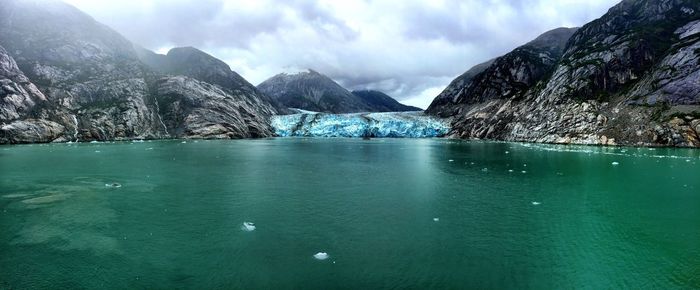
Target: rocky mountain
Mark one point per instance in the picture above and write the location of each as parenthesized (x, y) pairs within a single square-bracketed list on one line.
[(316, 92), (80, 80), (194, 63), (629, 77), (381, 102), (445, 104)]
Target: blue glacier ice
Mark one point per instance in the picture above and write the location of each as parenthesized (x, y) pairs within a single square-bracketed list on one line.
[(394, 124)]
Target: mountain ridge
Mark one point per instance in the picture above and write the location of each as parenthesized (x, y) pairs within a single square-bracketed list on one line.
[(627, 78), (313, 91), (100, 86)]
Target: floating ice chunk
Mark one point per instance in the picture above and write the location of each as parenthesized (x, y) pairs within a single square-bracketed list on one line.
[(248, 226), (536, 203), (510, 170), (451, 160), (436, 219), (94, 141), (507, 152), (321, 256), (113, 185), (485, 170), (615, 163), (523, 171), (97, 151), (183, 142)]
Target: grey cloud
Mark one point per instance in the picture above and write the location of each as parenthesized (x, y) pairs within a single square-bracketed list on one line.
[(402, 47), (191, 22), (321, 19)]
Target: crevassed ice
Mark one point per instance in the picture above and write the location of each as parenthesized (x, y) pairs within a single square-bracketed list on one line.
[(394, 124)]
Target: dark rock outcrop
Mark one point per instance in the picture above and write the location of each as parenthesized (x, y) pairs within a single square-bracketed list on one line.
[(630, 77), (381, 102), (316, 92), (95, 85)]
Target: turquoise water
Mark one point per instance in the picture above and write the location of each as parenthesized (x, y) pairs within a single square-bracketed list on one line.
[(390, 213)]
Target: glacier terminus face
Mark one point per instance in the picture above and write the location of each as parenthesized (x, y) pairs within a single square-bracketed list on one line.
[(373, 125)]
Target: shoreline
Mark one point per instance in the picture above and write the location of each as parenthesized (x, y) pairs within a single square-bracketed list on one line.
[(139, 140)]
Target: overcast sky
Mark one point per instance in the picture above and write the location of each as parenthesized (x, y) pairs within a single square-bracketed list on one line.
[(409, 49)]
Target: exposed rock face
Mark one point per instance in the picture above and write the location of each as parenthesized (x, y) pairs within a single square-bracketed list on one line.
[(31, 131), (507, 77), (83, 81), (194, 63), (313, 91), (630, 77), (17, 94), (445, 104), (196, 109), (381, 102)]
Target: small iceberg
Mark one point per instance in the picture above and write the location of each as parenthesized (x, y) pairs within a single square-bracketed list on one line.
[(248, 226), (436, 219), (451, 160), (536, 203), (184, 142), (113, 185), (616, 163), (321, 256)]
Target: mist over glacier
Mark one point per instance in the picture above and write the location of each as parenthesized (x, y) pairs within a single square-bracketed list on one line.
[(377, 125)]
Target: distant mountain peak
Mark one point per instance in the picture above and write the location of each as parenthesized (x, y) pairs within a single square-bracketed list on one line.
[(383, 102), (313, 91)]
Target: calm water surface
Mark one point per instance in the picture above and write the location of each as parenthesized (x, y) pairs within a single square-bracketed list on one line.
[(389, 213)]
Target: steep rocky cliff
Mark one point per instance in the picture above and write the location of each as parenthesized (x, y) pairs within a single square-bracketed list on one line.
[(18, 98), (630, 77), (446, 103), (316, 92), (90, 83)]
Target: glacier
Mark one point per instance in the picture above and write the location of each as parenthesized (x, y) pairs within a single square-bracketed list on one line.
[(375, 125)]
